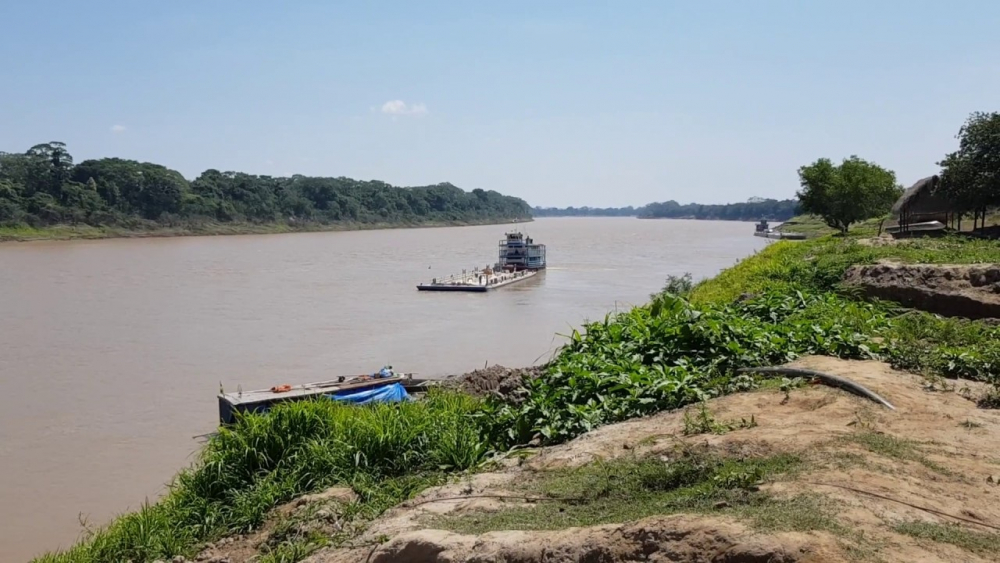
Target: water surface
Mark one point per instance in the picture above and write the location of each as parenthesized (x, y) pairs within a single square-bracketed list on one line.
[(112, 352)]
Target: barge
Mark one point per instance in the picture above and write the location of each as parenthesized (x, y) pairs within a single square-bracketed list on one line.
[(519, 258), (384, 386)]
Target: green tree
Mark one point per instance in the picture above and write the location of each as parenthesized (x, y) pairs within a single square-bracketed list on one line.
[(853, 191), (970, 176)]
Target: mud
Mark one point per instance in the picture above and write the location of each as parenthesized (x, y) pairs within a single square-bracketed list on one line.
[(506, 383)]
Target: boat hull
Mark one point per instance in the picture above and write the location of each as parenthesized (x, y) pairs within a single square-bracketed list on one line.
[(477, 288)]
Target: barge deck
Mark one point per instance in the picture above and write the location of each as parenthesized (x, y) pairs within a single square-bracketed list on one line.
[(479, 281), (262, 399)]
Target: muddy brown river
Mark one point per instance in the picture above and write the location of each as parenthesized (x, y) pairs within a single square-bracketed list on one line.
[(112, 352)]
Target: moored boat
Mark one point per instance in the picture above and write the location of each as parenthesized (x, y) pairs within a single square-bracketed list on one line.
[(380, 387)]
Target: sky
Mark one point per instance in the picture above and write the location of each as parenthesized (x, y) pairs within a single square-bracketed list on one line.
[(558, 102)]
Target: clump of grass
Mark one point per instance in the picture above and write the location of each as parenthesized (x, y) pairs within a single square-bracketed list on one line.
[(630, 489), (386, 452), (897, 448), (704, 423), (981, 543)]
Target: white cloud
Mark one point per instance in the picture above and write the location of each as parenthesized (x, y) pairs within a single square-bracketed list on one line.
[(399, 107), (117, 128)]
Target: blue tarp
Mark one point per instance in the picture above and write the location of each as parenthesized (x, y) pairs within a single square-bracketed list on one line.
[(392, 393)]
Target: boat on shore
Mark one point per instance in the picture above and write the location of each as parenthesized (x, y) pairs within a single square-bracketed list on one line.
[(519, 258), (381, 387), (763, 230)]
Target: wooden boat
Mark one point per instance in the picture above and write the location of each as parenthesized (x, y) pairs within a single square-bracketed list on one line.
[(262, 399)]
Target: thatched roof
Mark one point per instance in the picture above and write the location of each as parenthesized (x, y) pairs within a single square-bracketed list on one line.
[(920, 198)]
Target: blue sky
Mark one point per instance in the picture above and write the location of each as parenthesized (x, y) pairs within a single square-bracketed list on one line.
[(561, 103)]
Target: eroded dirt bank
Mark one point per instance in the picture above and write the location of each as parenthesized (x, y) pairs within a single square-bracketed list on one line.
[(916, 484), (971, 291)]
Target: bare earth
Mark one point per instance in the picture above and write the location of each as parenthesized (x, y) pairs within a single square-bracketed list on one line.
[(956, 473), (971, 291)]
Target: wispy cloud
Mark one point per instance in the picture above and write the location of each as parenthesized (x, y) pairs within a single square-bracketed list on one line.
[(399, 107), (117, 128)]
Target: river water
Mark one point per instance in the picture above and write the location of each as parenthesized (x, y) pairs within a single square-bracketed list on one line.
[(112, 352)]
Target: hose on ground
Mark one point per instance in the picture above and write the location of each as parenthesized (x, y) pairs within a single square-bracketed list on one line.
[(826, 378)]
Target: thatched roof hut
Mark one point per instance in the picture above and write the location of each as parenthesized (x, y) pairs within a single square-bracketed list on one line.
[(921, 203)]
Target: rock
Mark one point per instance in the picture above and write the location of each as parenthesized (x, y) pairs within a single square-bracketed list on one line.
[(343, 495)]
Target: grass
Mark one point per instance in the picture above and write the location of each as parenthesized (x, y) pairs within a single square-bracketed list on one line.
[(386, 453), (986, 544), (634, 488), (819, 265), (704, 423), (896, 448)]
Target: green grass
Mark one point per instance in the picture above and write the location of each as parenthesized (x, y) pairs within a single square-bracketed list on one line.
[(896, 448), (387, 453), (986, 544), (819, 265), (629, 489), (703, 422)]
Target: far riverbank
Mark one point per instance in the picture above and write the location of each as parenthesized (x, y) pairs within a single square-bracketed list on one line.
[(89, 232)]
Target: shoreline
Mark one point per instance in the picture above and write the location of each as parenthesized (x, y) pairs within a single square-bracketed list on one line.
[(86, 232)]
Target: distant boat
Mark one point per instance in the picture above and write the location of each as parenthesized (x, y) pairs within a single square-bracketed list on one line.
[(763, 230)]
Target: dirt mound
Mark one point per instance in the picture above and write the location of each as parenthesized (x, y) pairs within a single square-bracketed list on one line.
[(971, 291), (915, 484), (506, 382), (684, 539)]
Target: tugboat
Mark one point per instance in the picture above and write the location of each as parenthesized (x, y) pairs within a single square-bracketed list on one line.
[(518, 252), (519, 259)]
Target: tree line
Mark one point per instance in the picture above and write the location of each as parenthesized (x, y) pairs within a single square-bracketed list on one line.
[(584, 211), (753, 209), (43, 186), (856, 189)]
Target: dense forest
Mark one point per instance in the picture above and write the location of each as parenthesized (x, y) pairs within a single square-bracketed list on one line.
[(43, 187), (584, 211), (753, 209)]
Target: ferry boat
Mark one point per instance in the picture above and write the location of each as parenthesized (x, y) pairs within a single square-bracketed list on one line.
[(519, 258)]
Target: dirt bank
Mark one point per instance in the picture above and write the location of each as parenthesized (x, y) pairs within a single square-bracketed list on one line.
[(936, 451), (971, 291), (919, 483), (508, 383)]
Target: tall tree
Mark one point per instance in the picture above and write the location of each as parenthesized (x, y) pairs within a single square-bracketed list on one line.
[(970, 176), (851, 192)]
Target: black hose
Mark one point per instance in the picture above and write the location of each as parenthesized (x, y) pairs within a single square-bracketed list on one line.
[(831, 380)]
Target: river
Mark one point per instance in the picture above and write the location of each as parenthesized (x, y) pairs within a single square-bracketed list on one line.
[(112, 351)]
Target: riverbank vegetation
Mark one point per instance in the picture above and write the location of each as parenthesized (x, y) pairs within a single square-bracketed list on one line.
[(43, 194)]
